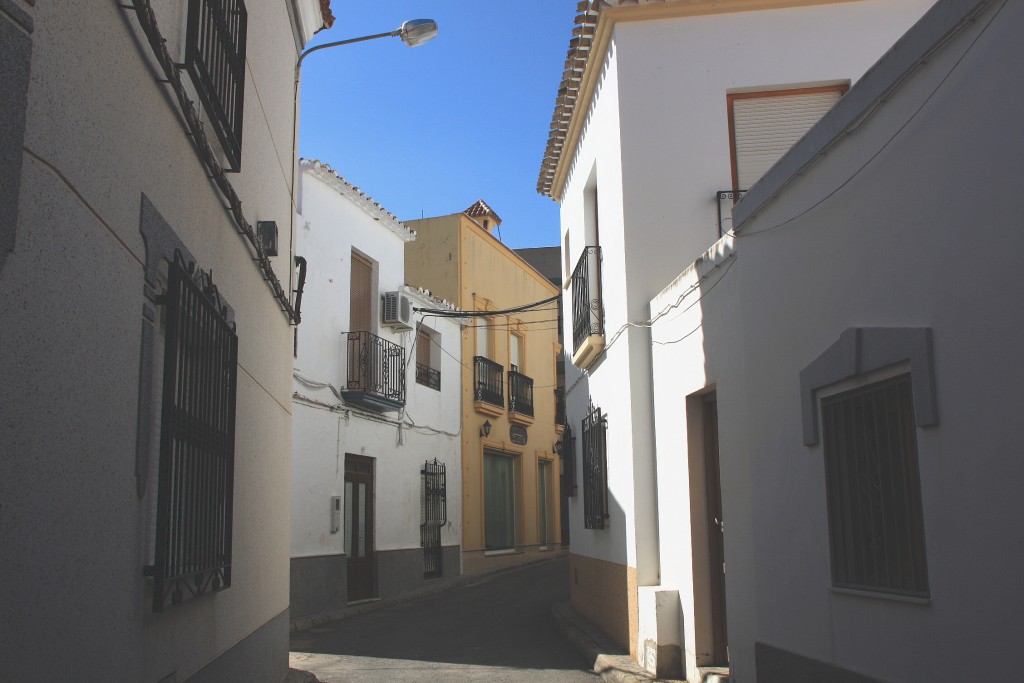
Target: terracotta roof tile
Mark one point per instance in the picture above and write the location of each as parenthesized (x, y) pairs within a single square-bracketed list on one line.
[(480, 208), (328, 16)]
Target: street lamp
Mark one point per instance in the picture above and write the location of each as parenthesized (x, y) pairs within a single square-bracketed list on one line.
[(413, 33)]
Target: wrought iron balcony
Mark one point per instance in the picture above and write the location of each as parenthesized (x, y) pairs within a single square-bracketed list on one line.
[(376, 372), (726, 198), (587, 308), (488, 381), (520, 393), (428, 376)]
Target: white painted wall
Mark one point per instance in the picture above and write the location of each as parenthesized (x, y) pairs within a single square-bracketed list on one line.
[(73, 530), (334, 219), (656, 134), (921, 237)]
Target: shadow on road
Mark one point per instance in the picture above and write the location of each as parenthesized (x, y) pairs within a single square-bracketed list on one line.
[(504, 621)]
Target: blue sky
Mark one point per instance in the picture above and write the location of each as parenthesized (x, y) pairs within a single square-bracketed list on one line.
[(427, 131)]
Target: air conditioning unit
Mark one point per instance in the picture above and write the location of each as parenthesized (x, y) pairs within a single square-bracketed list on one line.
[(397, 311)]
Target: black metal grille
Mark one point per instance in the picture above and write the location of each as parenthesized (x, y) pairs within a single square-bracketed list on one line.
[(489, 381), (587, 311), (215, 60), (560, 406), (595, 469), (376, 366), (428, 376), (197, 442), (876, 527), (520, 393), (435, 516), (568, 454)]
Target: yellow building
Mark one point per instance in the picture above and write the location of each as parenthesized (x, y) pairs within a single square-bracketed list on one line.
[(510, 467)]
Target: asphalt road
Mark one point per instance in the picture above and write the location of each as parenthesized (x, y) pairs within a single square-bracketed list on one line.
[(496, 630)]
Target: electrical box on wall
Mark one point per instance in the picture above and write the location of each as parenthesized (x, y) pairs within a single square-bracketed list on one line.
[(335, 514)]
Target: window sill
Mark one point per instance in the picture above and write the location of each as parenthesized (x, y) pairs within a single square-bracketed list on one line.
[(588, 351), (506, 551), (520, 419), (895, 597), (488, 409)]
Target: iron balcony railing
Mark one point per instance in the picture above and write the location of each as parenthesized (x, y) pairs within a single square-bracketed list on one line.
[(520, 393), (488, 381), (376, 371), (587, 310), (726, 198), (428, 376), (215, 61)]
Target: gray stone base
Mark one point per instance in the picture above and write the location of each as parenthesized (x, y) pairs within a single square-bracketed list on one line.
[(775, 665), (262, 657), (318, 584), (400, 571)]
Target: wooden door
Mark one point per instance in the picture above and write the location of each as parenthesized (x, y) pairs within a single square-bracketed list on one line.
[(716, 531), (359, 527)]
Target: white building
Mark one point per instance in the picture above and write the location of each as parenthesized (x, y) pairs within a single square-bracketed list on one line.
[(663, 106), (145, 426), (376, 399), (857, 344)]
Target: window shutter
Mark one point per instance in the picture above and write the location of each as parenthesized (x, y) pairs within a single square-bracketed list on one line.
[(423, 348), (359, 294), (766, 126)]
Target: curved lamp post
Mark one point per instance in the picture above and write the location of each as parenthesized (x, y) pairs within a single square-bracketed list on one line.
[(413, 33)]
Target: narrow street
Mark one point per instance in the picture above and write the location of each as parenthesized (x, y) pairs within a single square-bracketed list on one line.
[(497, 630)]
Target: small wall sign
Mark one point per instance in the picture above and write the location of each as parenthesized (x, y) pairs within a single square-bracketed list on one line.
[(517, 434)]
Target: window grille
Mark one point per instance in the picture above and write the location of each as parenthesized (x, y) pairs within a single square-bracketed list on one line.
[(569, 463), (435, 516), (215, 61), (425, 374), (876, 527), (595, 469), (197, 441), (587, 309), (520, 393), (489, 381)]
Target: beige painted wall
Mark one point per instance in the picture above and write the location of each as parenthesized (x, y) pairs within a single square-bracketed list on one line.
[(456, 258)]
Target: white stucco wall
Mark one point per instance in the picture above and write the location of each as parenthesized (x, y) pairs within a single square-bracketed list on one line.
[(919, 236), (330, 225), (74, 532), (656, 135)]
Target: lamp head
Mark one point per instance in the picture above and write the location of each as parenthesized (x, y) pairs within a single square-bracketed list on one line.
[(418, 31)]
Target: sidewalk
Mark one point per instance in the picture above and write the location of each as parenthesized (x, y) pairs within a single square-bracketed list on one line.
[(609, 660)]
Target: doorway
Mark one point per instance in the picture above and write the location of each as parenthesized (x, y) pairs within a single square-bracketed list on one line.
[(715, 531), (359, 527)]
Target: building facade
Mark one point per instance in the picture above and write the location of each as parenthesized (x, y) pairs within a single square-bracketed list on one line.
[(510, 442), (668, 111), (850, 375), (376, 394), (147, 330)]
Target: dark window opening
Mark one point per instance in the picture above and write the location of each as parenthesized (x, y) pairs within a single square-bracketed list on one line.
[(595, 469)]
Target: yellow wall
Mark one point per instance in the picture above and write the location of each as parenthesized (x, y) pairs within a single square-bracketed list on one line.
[(491, 276)]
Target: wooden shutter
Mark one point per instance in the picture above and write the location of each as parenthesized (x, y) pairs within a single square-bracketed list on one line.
[(765, 125), (423, 347), (359, 294)]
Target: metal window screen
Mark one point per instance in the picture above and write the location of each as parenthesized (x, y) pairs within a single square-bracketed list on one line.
[(197, 442), (595, 469), (876, 527), (215, 61)]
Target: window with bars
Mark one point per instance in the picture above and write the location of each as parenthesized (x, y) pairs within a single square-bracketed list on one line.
[(876, 526), (595, 469), (568, 455), (434, 515), (215, 61), (428, 358), (197, 441)]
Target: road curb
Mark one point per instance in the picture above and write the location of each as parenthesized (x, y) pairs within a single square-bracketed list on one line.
[(607, 659)]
